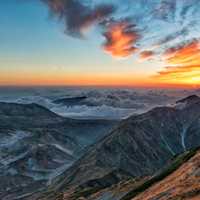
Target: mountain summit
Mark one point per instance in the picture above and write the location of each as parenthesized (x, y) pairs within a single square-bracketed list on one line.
[(189, 100)]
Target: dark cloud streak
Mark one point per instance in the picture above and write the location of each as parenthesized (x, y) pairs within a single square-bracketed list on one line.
[(173, 36), (146, 55), (78, 16)]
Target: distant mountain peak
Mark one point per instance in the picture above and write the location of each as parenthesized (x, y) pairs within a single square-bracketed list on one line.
[(190, 99)]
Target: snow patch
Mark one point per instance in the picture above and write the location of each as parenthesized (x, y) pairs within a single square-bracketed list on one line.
[(7, 161), (13, 138), (67, 151), (167, 145), (183, 136)]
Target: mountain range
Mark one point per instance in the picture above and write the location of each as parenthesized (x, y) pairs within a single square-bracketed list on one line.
[(58, 158), (37, 145), (138, 147)]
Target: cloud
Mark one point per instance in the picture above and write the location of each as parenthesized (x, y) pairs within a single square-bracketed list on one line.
[(177, 71), (131, 26), (184, 54), (180, 75), (78, 16), (165, 10), (172, 36), (184, 63), (121, 37), (145, 55)]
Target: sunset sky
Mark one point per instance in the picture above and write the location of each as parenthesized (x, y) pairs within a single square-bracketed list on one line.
[(100, 42)]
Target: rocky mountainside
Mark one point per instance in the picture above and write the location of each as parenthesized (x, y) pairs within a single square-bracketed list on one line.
[(179, 179), (139, 146), (37, 145), (182, 183)]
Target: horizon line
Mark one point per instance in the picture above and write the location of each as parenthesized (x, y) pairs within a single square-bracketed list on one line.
[(163, 86)]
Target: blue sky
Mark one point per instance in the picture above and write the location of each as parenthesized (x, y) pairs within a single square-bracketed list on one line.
[(34, 46)]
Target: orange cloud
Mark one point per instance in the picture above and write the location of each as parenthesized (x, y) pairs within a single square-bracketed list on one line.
[(145, 55), (120, 39), (184, 64), (178, 70), (184, 55)]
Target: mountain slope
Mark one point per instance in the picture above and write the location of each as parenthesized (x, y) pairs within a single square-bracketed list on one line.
[(139, 146), (37, 145), (182, 184), (179, 171)]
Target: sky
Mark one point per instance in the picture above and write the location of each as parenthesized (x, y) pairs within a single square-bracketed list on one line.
[(98, 42)]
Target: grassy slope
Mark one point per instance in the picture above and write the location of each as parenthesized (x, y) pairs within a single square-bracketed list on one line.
[(176, 163), (173, 166)]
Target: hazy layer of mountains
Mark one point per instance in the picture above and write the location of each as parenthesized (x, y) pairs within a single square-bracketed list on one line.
[(94, 103), (46, 156)]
